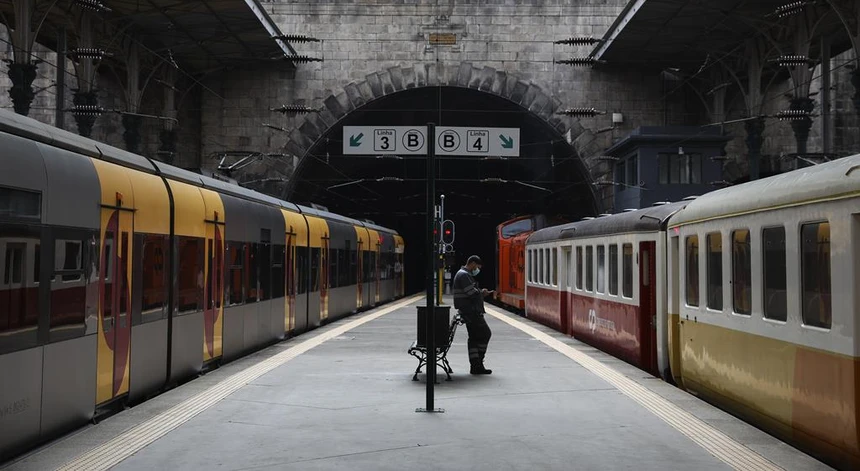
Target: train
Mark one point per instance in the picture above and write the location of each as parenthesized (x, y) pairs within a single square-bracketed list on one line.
[(746, 296), (511, 239), (123, 276)]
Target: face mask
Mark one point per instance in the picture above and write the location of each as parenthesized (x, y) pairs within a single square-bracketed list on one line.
[(476, 271)]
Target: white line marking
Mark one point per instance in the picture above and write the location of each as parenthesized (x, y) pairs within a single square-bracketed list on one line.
[(715, 442), (121, 447)]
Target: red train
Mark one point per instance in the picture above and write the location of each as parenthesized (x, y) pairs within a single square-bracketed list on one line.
[(511, 239)]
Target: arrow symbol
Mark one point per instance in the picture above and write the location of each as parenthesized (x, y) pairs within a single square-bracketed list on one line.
[(507, 142), (355, 141)]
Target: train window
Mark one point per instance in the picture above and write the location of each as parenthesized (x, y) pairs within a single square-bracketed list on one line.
[(613, 269), (691, 276), (278, 256), (815, 267), (627, 270), (568, 268), (191, 253), (715, 271), (555, 266), (353, 265), (578, 267), (540, 265), (601, 269), (529, 265), (154, 277), (516, 227), (264, 267), (235, 272), (252, 274), (589, 268), (741, 272), (315, 270), (20, 204), (775, 297), (19, 299), (68, 259), (302, 270)]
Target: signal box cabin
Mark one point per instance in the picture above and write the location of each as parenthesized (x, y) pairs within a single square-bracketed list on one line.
[(666, 164)]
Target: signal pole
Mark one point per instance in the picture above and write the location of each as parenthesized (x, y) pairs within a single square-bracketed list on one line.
[(441, 271)]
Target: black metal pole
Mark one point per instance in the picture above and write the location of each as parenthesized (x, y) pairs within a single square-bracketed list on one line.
[(431, 263)]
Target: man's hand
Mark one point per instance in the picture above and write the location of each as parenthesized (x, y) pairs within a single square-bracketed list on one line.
[(485, 292)]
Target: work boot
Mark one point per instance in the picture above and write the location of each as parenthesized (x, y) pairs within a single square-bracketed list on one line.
[(480, 370)]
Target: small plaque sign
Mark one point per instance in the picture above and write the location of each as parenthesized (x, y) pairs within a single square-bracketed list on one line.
[(443, 39)]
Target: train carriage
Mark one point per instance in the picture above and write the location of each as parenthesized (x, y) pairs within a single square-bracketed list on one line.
[(597, 280), (121, 276), (764, 308)]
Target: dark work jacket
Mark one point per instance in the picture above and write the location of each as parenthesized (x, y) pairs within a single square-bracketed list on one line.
[(467, 295)]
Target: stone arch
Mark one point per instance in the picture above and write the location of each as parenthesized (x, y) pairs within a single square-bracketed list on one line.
[(375, 86)]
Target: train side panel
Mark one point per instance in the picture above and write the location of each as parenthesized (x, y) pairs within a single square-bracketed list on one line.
[(786, 358), (150, 286), (295, 305), (186, 335)]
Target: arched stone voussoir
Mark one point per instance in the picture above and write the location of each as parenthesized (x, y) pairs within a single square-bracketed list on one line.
[(355, 95)]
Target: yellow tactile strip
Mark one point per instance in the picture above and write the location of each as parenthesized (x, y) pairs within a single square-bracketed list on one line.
[(116, 450), (715, 442)]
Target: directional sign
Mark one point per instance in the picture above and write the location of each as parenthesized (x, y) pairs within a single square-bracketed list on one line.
[(384, 140), (464, 141), (412, 140)]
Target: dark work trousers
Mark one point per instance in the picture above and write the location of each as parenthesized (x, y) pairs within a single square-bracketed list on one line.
[(479, 337)]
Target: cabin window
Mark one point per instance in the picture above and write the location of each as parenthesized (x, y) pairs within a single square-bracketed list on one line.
[(540, 267), (20, 204), (579, 268), (589, 268), (567, 268), (692, 272), (19, 299), (715, 271), (236, 275), (517, 227), (741, 272), (601, 269), (155, 271), (613, 269), (627, 271), (191, 253), (555, 266), (774, 263), (815, 267)]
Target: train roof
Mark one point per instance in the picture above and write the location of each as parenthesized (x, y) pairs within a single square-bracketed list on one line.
[(30, 128), (649, 219), (839, 178)]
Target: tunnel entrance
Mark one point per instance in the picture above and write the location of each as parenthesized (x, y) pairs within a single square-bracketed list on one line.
[(480, 192)]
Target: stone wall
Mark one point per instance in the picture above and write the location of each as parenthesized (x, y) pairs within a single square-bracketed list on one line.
[(229, 111)]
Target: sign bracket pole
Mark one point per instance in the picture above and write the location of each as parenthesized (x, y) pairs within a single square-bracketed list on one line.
[(430, 342)]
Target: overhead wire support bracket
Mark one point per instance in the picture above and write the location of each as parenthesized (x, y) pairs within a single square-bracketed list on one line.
[(581, 112), (293, 110), (579, 41), (580, 61)]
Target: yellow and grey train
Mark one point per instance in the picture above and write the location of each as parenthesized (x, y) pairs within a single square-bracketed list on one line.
[(748, 296), (121, 276)]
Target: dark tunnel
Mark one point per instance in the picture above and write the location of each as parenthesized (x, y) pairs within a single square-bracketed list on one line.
[(480, 192)]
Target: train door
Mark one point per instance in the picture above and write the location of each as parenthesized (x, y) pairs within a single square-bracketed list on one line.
[(324, 279), (648, 305), (377, 264), (290, 281), (117, 229), (213, 319), (360, 271), (674, 310)]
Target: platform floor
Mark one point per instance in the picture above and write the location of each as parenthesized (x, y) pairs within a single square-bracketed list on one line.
[(342, 397)]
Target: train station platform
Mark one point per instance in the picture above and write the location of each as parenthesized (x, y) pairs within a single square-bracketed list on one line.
[(342, 397)]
